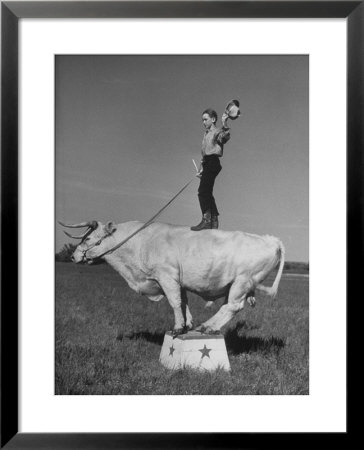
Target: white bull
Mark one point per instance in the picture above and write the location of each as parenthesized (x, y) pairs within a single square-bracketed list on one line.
[(167, 260)]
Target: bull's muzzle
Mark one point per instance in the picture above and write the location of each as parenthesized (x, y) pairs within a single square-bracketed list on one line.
[(78, 257)]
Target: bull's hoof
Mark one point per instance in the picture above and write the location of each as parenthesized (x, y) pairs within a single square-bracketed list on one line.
[(179, 331), (213, 331), (251, 301), (207, 330)]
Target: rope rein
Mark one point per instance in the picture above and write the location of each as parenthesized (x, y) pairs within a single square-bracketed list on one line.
[(143, 226)]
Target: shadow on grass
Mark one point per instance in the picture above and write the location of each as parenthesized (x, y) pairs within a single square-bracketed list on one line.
[(155, 338), (236, 344)]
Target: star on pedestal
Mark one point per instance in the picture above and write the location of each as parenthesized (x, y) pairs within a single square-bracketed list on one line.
[(171, 350), (205, 351)]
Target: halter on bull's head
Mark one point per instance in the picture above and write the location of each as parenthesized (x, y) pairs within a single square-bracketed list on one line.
[(94, 242)]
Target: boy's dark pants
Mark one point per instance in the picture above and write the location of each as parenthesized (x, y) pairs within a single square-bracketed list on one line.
[(211, 168)]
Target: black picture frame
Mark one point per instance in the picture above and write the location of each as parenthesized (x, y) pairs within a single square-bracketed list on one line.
[(11, 12)]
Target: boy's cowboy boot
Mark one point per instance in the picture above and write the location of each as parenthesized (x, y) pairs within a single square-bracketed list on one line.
[(205, 223), (214, 222)]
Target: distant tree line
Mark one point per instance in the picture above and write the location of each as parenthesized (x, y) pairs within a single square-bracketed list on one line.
[(293, 266), (64, 255)]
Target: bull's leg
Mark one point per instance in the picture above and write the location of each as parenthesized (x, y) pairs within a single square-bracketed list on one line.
[(238, 292), (186, 311), (172, 291)]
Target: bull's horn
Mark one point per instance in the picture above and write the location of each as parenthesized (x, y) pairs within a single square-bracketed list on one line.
[(76, 237), (92, 224), (75, 225)]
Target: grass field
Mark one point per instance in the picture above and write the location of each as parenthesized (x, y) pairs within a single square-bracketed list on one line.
[(108, 340)]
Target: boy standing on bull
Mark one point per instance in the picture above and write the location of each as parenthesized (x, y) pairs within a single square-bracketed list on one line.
[(212, 150)]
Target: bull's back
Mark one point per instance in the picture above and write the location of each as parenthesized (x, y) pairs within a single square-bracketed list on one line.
[(203, 252), (213, 257), (235, 246)]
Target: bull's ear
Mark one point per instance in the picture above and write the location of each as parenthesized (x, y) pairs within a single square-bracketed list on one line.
[(110, 227)]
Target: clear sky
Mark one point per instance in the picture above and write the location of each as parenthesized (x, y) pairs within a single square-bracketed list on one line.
[(127, 128)]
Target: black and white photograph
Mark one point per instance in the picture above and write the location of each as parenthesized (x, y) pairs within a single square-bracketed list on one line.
[(182, 224), (181, 205)]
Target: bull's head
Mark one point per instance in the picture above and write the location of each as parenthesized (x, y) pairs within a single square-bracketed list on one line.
[(94, 242)]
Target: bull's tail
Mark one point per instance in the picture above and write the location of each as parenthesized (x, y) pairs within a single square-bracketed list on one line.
[(272, 291)]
